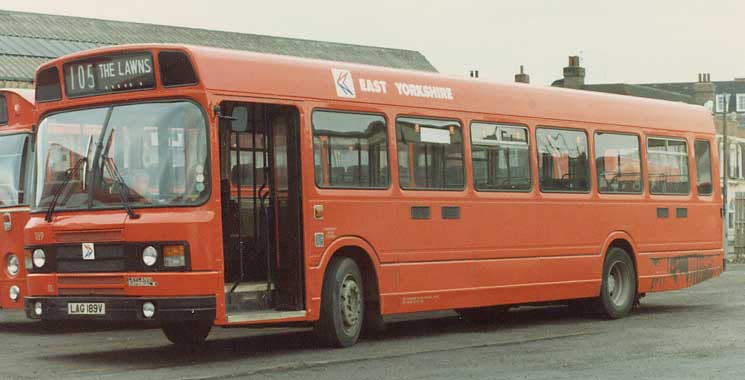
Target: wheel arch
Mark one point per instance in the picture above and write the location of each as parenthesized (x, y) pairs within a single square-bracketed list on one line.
[(622, 239), (367, 260)]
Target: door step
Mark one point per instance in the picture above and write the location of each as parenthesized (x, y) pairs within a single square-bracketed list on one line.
[(265, 316), (248, 297)]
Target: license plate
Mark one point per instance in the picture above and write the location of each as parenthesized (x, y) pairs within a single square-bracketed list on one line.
[(86, 308)]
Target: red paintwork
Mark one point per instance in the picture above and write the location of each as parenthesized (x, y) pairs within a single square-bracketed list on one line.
[(506, 248), (20, 120)]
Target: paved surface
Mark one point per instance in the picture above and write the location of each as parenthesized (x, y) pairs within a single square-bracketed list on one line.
[(695, 333)]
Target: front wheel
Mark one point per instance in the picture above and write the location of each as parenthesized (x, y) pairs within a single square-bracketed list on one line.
[(618, 290), (186, 333), (342, 304)]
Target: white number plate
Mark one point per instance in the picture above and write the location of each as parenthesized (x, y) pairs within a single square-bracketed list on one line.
[(77, 308)]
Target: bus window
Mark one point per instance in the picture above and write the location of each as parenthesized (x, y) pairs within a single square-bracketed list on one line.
[(350, 150), (667, 161), (703, 167), (563, 163), (3, 110), (430, 154), (501, 160), (619, 164)]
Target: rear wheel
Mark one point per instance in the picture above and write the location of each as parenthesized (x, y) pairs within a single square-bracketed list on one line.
[(618, 290), (186, 333), (342, 304), (489, 314)]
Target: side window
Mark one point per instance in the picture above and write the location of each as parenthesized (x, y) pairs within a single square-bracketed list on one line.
[(350, 150), (501, 159), (667, 162), (563, 163), (702, 150), (430, 154), (619, 164), (3, 110)]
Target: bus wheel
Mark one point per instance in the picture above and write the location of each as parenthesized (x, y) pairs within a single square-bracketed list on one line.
[(618, 290), (342, 304), (186, 333), (483, 314)]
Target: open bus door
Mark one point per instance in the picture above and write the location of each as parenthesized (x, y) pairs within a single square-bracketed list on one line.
[(261, 203)]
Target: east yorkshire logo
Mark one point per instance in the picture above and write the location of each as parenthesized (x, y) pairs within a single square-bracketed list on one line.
[(344, 83), (89, 251)]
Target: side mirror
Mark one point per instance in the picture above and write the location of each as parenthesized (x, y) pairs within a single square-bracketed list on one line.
[(239, 119)]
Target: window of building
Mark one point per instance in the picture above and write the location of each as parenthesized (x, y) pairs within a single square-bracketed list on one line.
[(667, 161), (733, 163), (720, 106), (740, 103), (619, 164), (3, 110), (563, 163), (350, 150), (703, 167), (501, 159), (430, 153)]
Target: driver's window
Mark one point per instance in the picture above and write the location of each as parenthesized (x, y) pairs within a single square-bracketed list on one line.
[(563, 163)]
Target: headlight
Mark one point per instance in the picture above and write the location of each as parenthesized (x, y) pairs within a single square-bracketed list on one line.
[(13, 265), (14, 293), (149, 255), (174, 256), (39, 257)]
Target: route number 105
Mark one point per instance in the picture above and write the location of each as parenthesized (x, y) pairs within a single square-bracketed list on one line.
[(82, 76)]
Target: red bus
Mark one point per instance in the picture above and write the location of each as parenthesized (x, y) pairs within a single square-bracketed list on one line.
[(198, 187), (16, 164)]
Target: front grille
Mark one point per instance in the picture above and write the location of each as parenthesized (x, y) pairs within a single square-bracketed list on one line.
[(109, 258)]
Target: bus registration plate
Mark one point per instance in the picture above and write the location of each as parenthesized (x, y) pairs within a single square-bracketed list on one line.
[(77, 308)]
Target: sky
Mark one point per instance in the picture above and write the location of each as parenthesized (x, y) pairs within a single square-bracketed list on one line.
[(631, 41)]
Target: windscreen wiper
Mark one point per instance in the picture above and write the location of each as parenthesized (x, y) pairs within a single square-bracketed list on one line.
[(62, 187), (121, 186)]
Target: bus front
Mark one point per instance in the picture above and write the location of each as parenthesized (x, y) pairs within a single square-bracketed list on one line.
[(16, 115), (122, 220)]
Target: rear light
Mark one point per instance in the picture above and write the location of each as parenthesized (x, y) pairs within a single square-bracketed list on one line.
[(174, 256)]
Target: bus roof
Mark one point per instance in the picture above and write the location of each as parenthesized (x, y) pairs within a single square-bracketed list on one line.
[(233, 72)]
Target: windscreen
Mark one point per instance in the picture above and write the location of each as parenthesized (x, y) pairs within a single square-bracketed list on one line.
[(153, 153), (12, 148)]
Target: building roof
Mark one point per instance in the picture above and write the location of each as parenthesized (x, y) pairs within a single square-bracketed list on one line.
[(642, 91), (28, 39), (639, 90), (722, 87)]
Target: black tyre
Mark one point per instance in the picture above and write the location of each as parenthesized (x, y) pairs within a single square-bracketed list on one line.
[(480, 315), (186, 333), (342, 304), (618, 289)]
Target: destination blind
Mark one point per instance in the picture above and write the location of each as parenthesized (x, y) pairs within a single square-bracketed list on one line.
[(106, 74)]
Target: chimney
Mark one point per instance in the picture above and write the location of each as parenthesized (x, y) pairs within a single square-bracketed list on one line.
[(474, 74), (522, 77), (703, 90), (574, 74)]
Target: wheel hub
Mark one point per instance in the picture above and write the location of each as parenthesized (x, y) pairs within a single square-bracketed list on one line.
[(351, 303)]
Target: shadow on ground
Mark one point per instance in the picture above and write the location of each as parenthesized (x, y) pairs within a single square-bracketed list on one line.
[(270, 342)]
